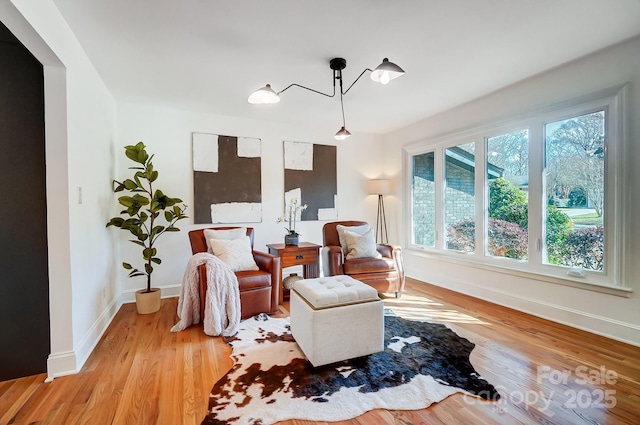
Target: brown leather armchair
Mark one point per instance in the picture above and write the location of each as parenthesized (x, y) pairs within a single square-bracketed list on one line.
[(385, 274), (258, 288)]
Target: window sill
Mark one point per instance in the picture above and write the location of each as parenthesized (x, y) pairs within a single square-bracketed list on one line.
[(467, 260)]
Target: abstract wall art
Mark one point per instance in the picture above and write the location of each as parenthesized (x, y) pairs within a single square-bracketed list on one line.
[(227, 185), (310, 175)]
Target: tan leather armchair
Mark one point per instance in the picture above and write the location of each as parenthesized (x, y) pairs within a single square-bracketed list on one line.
[(258, 288), (385, 274)]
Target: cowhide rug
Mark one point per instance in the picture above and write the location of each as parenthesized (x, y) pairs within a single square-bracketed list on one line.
[(271, 381)]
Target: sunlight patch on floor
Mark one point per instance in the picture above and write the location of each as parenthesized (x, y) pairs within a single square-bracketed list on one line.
[(441, 316), (413, 307), (409, 299)]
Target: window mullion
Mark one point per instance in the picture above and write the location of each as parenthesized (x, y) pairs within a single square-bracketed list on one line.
[(482, 193), (438, 171), (536, 193)]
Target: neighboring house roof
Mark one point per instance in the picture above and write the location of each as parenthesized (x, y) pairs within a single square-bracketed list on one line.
[(519, 181), (466, 160)]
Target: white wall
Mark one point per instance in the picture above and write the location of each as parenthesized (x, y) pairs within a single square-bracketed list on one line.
[(609, 315), (85, 154), (84, 150), (80, 133), (167, 134)]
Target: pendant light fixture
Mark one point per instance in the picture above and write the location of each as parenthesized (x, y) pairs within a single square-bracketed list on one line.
[(342, 134), (383, 73), (264, 95), (386, 72)]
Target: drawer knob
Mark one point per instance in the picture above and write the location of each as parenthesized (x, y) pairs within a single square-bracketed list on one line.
[(299, 257)]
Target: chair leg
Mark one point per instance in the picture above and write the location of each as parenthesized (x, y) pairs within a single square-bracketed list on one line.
[(398, 294)]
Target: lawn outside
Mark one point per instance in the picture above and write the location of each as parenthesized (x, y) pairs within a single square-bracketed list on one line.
[(583, 216)]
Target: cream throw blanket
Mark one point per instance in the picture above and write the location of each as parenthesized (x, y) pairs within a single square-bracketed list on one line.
[(222, 303)]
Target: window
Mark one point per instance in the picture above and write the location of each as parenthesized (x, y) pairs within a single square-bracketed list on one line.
[(541, 194), (507, 170), (459, 197), (423, 200), (575, 190)]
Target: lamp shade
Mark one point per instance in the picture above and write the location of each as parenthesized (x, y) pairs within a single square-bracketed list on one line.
[(342, 134), (386, 72), (264, 95), (379, 186)]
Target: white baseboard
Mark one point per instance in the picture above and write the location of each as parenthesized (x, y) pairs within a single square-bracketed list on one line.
[(92, 337), (61, 364), (628, 333), (70, 362)]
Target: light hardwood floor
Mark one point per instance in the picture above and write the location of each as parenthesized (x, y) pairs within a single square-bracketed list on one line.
[(140, 373)]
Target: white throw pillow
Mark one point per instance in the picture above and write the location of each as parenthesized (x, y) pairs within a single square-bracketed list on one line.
[(223, 234), (362, 246), (360, 229), (236, 253)]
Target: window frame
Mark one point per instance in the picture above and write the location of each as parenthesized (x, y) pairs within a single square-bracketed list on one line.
[(443, 212), (614, 278), (411, 199), (499, 131)]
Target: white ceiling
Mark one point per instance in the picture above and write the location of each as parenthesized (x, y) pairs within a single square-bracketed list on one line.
[(209, 55)]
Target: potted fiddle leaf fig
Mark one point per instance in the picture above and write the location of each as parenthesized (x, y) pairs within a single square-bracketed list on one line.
[(148, 214)]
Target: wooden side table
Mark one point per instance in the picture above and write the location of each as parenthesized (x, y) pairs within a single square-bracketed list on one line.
[(305, 254)]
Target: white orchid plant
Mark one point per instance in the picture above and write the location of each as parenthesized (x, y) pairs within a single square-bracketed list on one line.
[(291, 215)]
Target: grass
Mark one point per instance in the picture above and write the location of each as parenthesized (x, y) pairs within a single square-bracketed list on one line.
[(590, 219)]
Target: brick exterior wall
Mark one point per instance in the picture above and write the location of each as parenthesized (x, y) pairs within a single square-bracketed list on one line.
[(459, 197), (424, 203)]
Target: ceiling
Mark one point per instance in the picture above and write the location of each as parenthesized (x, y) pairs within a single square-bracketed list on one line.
[(209, 55)]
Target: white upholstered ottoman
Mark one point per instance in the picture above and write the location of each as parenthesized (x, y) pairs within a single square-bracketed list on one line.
[(336, 318)]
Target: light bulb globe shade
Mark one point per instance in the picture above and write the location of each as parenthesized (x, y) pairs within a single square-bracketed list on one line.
[(342, 134), (386, 72), (264, 95)]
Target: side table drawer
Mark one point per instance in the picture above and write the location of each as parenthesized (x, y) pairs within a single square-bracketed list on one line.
[(305, 254), (300, 257)]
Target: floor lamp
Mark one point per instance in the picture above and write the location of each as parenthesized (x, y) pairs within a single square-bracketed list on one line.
[(380, 187)]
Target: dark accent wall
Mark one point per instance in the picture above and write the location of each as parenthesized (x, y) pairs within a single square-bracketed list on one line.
[(24, 282)]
